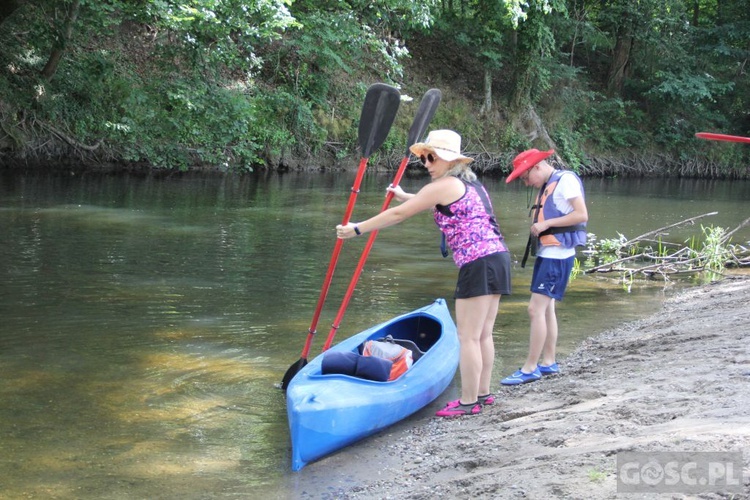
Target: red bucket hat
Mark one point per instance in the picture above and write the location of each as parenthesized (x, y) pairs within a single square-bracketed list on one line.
[(526, 160)]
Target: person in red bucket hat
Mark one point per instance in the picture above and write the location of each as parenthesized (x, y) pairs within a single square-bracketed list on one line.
[(527, 160), (557, 228)]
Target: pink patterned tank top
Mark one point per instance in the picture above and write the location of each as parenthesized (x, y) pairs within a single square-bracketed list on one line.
[(469, 225)]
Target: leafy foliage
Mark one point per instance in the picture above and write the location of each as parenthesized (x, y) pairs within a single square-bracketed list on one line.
[(240, 83)]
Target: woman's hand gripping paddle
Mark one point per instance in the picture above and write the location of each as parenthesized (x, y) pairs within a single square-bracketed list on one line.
[(422, 119), (722, 137), (378, 112)]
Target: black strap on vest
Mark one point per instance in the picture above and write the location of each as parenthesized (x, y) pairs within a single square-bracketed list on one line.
[(532, 242), (487, 208), (564, 229), (443, 245)]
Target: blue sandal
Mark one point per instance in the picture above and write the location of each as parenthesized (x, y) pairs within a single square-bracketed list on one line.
[(520, 377), (552, 369)]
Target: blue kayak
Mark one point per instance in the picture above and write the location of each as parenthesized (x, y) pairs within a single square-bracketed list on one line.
[(327, 412)]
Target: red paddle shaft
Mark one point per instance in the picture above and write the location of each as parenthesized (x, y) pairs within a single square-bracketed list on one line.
[(722, 137), (363, 258), (422, 120), (334, 257), (378, 113)]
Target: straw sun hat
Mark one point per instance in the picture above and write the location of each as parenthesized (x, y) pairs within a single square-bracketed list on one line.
[(444, 143)]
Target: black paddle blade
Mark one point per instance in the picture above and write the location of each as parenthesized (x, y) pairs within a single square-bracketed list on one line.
[(422, 119), (292, 371), (378, 113)]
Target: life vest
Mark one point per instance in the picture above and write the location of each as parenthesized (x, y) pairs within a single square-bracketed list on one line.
[(567, 236), (401, 357)]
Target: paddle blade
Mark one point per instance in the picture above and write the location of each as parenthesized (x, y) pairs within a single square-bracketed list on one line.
[(422, 119), (378, 113), (292, 371), (722, 137), (424, 115)]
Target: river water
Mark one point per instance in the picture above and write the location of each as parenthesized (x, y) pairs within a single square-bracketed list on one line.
[(148, 320)]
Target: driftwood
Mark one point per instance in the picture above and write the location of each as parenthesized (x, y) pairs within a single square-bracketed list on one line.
[(637, 256), (662, 230), (731, 233)]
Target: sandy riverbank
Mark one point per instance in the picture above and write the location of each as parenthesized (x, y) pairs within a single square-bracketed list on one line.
[(676, 381)]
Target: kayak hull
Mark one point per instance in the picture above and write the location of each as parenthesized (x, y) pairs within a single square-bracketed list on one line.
[(329, 412)]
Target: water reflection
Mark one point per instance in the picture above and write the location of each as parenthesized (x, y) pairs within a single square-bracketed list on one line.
[(147, 320)]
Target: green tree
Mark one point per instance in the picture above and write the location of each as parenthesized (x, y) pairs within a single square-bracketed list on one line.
[(309, 69), (62, 39), (152, 100), (239, 82)]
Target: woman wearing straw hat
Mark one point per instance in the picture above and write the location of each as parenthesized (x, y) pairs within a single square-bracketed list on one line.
[(558, 227), (463, 212)]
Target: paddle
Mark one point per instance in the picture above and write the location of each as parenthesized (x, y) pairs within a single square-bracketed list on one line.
[(378, 112), (722, 137), (422, 119)]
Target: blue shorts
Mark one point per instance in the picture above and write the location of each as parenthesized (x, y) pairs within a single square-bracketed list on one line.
[(551, 276), (488, 275)]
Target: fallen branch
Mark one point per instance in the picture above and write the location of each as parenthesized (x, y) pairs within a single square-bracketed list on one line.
[(730, 233), (661, 230), (671, 258)]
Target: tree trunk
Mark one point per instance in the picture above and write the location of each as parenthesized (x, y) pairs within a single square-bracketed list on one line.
[(59, 49), (620, 60), (521, 96), (530, 124), (487, 104)]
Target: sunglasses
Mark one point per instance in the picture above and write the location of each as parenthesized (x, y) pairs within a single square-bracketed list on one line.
[(430, 157), (525, 176)]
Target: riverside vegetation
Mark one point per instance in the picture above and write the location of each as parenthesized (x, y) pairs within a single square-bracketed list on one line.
[(651, 256), (615, 87)]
